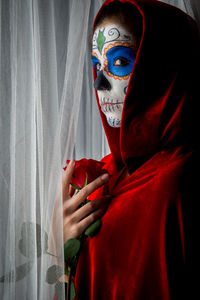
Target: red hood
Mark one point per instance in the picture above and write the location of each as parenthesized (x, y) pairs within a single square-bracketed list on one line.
[(160, 109)]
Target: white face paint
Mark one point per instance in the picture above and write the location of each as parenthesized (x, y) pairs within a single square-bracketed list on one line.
[(113, 58)]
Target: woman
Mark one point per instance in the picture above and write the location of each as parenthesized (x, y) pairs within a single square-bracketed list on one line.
[(145, 54)]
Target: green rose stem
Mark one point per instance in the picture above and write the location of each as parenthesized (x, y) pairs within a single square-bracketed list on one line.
[(52, 254), (71, 252), (69, 282)]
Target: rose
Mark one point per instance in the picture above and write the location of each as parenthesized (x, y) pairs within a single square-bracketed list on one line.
[(86, 170)]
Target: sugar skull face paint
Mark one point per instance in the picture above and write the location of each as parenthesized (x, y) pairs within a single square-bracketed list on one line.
[(113, 58)]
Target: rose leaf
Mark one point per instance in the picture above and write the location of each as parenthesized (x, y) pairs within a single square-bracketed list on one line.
[(72, 291), (19, 273), (59, 287), (27, 243), (71, 248), (53, 273)]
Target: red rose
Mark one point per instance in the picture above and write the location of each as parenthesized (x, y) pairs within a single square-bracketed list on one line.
[(86, 167)]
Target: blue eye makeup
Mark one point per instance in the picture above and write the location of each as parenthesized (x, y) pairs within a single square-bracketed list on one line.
[(120, 60), (96, 63)]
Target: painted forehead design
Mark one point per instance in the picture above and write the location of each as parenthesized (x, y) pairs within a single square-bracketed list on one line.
[(108, 34)]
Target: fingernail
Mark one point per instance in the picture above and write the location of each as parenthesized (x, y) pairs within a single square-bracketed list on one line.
[(72, 162), (105, 176)]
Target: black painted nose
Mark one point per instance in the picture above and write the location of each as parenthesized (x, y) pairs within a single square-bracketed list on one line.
[(102, 83)]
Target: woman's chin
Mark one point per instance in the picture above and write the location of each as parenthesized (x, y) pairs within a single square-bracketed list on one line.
[(113, 121)]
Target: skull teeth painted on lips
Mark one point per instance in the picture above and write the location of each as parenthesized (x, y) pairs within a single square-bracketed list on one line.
[(110, 105)]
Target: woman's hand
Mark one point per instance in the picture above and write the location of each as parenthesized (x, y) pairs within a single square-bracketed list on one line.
[(75, 218)]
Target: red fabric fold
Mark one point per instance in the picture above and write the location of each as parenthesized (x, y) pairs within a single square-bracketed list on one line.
[(145, 248)]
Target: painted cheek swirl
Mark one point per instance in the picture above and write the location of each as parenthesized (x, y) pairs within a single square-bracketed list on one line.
[(125, 89)]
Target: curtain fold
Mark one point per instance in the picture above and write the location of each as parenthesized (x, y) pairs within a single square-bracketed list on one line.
[(90, 139), (42, 54)]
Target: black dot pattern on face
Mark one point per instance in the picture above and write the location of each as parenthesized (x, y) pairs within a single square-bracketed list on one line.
[(114, 122)]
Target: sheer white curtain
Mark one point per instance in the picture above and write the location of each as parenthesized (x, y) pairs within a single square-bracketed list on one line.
[(45, 84), (191, 7), (90, 138), (42, 61)]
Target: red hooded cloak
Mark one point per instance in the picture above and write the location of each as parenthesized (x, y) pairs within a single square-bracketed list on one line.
[(146, 246)]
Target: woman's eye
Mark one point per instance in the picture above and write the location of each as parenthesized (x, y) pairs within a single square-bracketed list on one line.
[(98, 67), (121, 62)]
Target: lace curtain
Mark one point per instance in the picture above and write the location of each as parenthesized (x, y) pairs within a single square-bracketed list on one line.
[(42, 55), (48, 114)]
